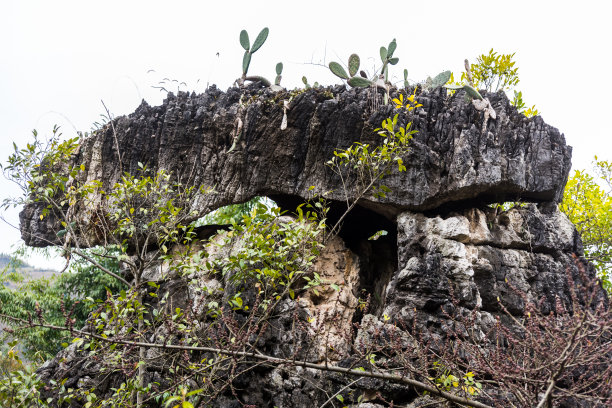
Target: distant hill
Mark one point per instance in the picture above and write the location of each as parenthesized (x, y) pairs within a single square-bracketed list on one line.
[(10, 264)]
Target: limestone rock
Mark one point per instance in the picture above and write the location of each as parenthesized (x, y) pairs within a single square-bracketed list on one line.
[(445, 251), (451, 160), (474, 256)]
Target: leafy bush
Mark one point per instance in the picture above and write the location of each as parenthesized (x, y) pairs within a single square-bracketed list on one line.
[(19, 384), (589, 206)]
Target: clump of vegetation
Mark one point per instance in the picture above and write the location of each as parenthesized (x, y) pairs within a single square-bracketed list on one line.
[(588, 205), (380, 79), (249, 50)]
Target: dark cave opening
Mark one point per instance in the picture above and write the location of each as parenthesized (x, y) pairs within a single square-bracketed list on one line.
[(368, 234)]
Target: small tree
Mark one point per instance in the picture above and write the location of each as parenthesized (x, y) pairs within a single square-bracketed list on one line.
[(589, 206), (497, 72)]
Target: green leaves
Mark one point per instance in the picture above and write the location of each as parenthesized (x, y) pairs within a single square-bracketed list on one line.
[(359, 82), (39, 169), (369, 164), (244, 40), (518, 102), (589, 208), (150, 207), (273, 254), (337, 70), (248, 50), (260, 40), (495, 71), (182, 400), (353, 64)]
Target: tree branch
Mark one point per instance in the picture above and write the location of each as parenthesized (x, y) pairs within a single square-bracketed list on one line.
[(275, 360)]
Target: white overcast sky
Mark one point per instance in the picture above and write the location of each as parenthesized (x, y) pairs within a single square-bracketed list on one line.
[(59, 59)]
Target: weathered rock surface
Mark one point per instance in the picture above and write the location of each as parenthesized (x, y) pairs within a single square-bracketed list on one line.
[(472, 255), (478, 256), (451, 160), (444, 246)]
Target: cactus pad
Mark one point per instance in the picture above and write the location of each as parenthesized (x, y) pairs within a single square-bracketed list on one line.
[(359, 82), (353, 64), (391, 49), (244, 40), (337, 70), (261, 79), (440, 79), (261, 38), (246, 61), (383, 54), (472, 92), (279, 68)]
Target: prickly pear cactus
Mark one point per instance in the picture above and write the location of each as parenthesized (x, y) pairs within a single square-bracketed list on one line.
[(472, 92), (260, 40), (244, 40), (279, 71), (353, 64), (337, 70), (359, 82), (440, 80), (246, 61), (248, 50)]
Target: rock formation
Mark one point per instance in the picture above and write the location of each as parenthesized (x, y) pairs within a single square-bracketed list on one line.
[(444, 246), (451, 163)]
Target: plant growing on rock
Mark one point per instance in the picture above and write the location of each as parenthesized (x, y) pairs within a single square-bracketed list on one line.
[(438, 81), (307, 85), (518, 102), (494, 72), (480, 103), (361, 168), (350, 77), (545, 357), (249, 50), (589, 206), (19, 384), (379, 80)]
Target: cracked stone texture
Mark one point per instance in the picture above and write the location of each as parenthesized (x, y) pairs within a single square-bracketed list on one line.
[(477, 254), (447, 242), (451, 161), (473, 253)]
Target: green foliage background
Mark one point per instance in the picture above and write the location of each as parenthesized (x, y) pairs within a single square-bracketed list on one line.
[(71, 287), (588, 204)]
